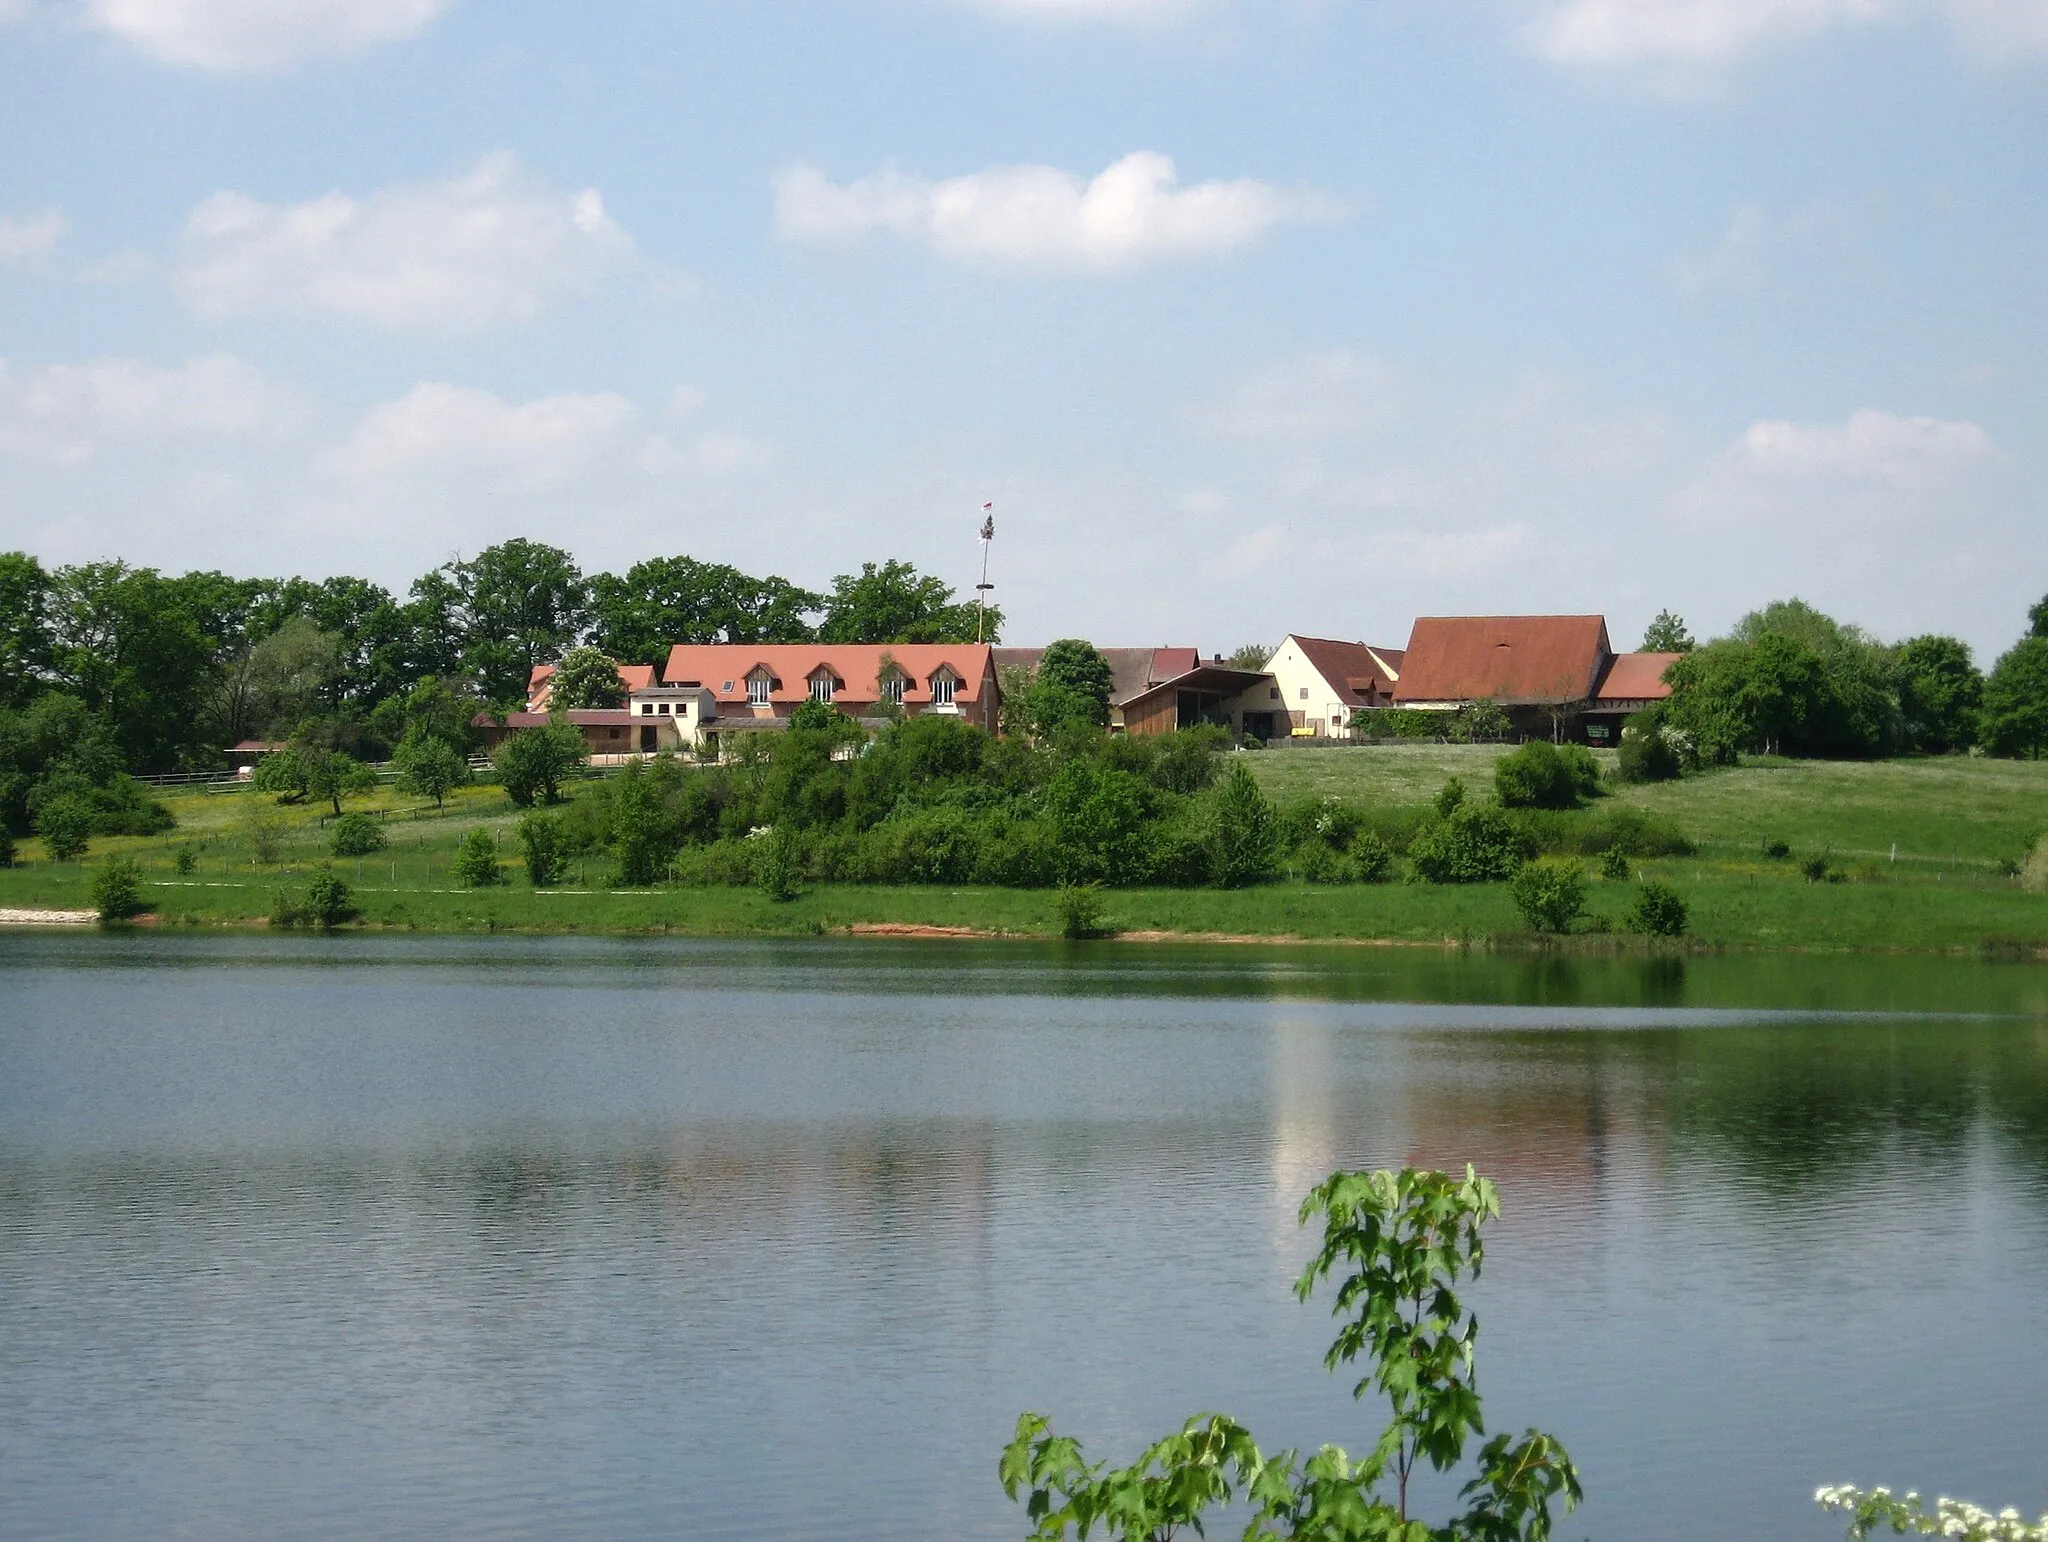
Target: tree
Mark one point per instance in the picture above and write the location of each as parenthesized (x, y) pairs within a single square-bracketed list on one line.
[(533, 762), (518, 604), (65, 824), (1247, 831), (1073, 686), (433, 709), (1251, 656), (476, 860), (1402, 1245), (429, 766), (283, 680), (1940, 693), (123, 644), (1658, 911), (586, 678), (1667, 634), (25, 640), (1909, 1516), (332, 775), (355, 835), (2037, 618), (2015, 720), (894, 603), (670, 600)]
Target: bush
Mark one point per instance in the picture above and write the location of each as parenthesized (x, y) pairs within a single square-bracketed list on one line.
[(1614, 864), (1815, 868), (117, 890), (329, 902), (1550, 895), (65, 824), (1079, 908), (185, 859), (1657, 911), (355, 835), (429, 766), (1540, 775), (1648, 752), (1451, 798), (1475, 844), (545, 845), (476, 860), (1247, 831), (287, 909), (1372, 859), (776, 863), (1777, 850)]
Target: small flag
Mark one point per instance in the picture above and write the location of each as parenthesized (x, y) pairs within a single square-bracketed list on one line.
[(988, 523)]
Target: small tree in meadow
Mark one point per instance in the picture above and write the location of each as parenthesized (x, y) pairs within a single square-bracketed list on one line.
[(476, 860), (1550, 895), (429, 767), (65, 824), (1247, 831), (355, 835), (1658, 911), (533, 764), (332, 775)]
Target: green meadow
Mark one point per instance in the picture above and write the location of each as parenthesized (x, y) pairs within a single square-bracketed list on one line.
[(1920, 854)]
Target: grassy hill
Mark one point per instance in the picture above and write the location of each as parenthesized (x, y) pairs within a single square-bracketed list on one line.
[(1955, 824)]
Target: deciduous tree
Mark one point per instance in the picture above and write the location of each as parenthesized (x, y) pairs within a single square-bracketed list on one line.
[(894, 603)]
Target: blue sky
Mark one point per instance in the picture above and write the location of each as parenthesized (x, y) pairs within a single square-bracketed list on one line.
[(1305, 315)]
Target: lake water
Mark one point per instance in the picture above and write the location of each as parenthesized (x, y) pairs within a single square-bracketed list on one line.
[(508, 1238)]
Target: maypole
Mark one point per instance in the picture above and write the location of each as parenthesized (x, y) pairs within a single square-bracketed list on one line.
[(981, 590)]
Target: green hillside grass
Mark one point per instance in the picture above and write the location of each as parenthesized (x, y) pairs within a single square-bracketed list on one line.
[(1955, 822)]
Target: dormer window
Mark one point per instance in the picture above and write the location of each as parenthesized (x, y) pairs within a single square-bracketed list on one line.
[(822, 687), (892, 689), (942, 685), (758, 688)]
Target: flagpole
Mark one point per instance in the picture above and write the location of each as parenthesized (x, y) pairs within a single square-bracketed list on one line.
[(981, 590)]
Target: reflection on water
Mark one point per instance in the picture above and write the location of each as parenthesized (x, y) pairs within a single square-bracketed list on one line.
[(598, 1239)]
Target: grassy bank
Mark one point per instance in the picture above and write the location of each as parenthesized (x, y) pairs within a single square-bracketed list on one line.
[(1953, 823)]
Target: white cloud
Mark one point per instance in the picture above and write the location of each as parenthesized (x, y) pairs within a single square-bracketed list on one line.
[(447, 431), (30, 239), (257, 36), (1683, 44), (1868, 445), (1308, 398), (68, 413), (492, 246), (1132, 213)]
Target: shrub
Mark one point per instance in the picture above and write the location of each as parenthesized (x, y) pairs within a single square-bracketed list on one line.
[(266, 838), (1550, 895), (329, 902), (65, 824), (185, 858), (545, 846), (1540, 775), (1187, 761), (1777, 850), (1079, 908), (1647, 752), (1247, 831), (775, 864), (1658, 911), (1815, 868), (1614, 864), (287, 909), (1474, 845), (476, 860), (355, 835), (1451, 798), (1372, 859), (117, 890)]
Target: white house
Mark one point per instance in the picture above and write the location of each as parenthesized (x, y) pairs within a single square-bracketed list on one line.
[(1322, 682)]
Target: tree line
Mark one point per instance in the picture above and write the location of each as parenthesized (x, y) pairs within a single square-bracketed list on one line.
[(1790, 680), (108, 670)]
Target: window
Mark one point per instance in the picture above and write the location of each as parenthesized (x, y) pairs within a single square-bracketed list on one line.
[(758, 687), (942, 690), (822, 687), (665, 709), (1272, 693), (615, 733), (1304, 693), (892, 689), (647, 709)]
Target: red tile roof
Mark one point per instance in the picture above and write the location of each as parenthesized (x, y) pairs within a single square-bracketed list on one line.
[(1509, 659), (1636, 677), (722, 669), (1352, 669)]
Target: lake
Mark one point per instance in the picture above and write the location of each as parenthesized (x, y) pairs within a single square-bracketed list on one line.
[(516, 1238)]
